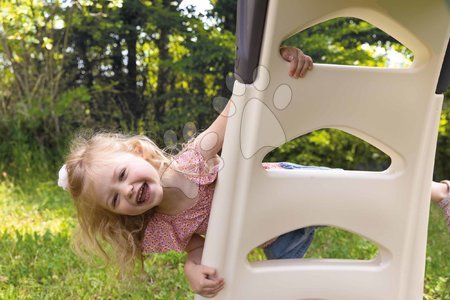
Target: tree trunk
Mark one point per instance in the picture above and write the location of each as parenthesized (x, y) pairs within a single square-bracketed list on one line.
[(163, 71)]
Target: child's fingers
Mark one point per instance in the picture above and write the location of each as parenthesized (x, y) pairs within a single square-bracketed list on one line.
[(211, 278), (211, 283), (299, 63), (310, 62), (208, 271), (293, 61), (304, 69), (300, 66), (307, 65), (214, 289), (210, 287), (211, 292)]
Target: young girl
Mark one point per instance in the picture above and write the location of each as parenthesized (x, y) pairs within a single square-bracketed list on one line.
[(140, 200)]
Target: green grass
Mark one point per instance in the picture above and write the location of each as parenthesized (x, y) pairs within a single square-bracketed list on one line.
[(36, 261)]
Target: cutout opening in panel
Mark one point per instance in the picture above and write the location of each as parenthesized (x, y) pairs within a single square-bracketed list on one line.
[(326, 243), (331, 148), (351, 41)]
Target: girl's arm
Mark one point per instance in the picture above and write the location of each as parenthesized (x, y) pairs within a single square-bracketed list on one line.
[(210, 141), (202, 279)]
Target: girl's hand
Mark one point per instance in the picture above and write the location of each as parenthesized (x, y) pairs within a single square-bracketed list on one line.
[(299, 63), (203, 280)]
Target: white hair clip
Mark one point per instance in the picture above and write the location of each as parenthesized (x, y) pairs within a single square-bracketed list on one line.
[(63, 178)]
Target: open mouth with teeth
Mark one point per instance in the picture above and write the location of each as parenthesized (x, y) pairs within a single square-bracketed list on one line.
[(143, 194)]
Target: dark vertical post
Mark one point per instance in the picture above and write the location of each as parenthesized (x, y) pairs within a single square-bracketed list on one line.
[(251, 16), (444, 77)]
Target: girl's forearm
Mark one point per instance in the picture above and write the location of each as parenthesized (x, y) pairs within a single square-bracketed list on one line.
[(194, 250), (439, 191), (194, 257), (210, 141)]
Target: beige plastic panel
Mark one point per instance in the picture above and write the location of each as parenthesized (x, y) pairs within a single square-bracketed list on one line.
[(396, 110)]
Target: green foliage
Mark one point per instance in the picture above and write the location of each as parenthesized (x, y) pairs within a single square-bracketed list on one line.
[(437, 279), (332, 148), (332, 243), (149, 67), (347, 41)]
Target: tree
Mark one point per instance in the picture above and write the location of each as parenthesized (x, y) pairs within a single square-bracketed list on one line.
[(149, 67), (34, 39)]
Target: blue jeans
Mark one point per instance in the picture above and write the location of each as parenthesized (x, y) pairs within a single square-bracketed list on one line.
[(293, 244)]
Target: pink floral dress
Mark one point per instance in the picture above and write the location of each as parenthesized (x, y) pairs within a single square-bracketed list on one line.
[(173, 232)]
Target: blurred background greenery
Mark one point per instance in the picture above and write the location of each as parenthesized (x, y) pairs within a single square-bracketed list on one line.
[(151, 67)]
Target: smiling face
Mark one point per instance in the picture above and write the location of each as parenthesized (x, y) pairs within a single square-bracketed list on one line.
[(127, 185)]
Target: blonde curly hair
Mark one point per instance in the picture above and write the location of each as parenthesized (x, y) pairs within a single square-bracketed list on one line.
[(96, 224)]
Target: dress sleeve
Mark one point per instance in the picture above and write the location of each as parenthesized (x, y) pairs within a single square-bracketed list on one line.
[(192, 164)]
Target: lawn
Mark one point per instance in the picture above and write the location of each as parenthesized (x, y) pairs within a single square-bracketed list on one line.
[(36, 260)]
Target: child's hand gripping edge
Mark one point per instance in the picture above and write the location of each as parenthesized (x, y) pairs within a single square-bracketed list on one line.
[(202, 279), (299, 63)]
